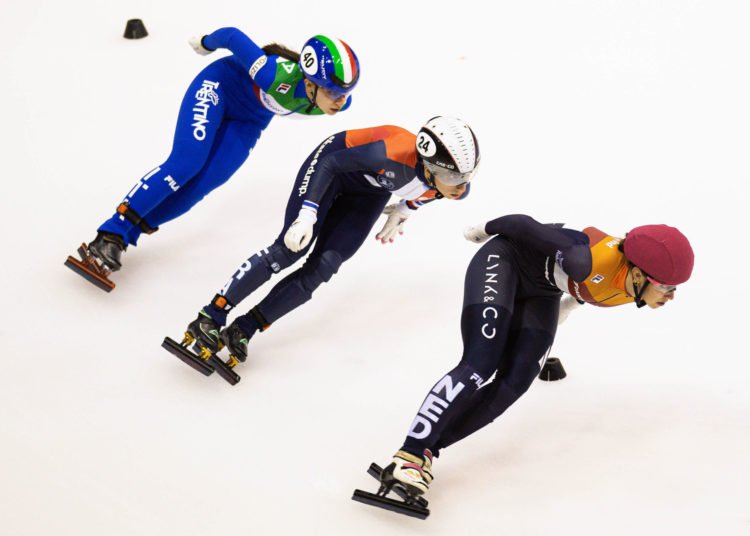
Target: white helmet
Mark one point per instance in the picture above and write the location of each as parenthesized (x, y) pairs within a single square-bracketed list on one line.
[(449, 149)]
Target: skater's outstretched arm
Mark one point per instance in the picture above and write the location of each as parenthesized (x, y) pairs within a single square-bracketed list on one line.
[(249, 54), (368, 158), (570, 248), (319, 176)]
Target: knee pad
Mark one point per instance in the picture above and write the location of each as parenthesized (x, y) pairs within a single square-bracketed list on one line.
[(278, 257), (182, 165), (475, 377), (298, 287), (462, 377), (321, 270)]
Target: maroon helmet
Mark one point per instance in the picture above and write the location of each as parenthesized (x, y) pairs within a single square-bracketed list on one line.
[(661, 251)]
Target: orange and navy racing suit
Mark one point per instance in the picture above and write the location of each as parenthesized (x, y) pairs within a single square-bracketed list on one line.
[(348, 179)]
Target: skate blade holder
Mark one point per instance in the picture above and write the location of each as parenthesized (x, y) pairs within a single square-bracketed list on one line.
[(181, 352), (89, 269), (222, 368), (202, 359), (409, 505)]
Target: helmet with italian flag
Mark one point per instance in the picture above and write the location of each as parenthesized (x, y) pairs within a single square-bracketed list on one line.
[(330, 63)]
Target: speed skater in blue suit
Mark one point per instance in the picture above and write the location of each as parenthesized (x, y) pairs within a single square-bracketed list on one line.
[(223, 113)]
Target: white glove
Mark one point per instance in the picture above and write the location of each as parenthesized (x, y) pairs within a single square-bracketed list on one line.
[(300, 233), (476, 233), (397, 214), (197, 44), (567, 304)]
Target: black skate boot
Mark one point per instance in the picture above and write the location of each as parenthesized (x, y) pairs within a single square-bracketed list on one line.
[(107, 248), (205, 334), (236, 341), (98, 260)]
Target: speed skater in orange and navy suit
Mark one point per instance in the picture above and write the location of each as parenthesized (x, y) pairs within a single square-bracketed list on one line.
[(340, 191), (512, 306)]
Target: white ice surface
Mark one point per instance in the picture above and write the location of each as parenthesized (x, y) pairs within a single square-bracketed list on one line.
[(590, 112)]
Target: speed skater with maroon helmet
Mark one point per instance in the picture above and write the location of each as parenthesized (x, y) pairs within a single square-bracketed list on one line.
[(662, 253)]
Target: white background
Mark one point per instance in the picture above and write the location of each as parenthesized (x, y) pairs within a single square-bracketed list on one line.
[(604, 113)]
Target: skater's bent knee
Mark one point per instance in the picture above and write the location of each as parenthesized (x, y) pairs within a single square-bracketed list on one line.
[(320, 270), (329, 264), (280, 257), (183, 165), (478, 371)]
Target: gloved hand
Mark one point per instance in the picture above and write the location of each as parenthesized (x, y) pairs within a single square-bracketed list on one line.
[(300, 233), (476, 233), (197, 44), (567, 304), (397, 214)]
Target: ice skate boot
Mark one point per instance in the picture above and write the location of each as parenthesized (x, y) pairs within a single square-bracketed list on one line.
[(414, 472), (98, 260), (108, 248), (409, 477), (203, 334), (236, 342)]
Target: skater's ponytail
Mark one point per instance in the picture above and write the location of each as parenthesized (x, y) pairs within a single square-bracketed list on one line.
[(275, 49)]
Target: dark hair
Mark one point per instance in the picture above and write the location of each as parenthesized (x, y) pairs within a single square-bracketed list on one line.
[(275, 49), (621, 249)]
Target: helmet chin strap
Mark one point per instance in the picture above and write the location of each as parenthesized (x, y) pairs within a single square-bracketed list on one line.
[(639, 293), (430, 180), (312, 100)]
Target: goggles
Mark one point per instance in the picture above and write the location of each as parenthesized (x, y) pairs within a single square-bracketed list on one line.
[(447, 176), (335, 95), (661, 287)]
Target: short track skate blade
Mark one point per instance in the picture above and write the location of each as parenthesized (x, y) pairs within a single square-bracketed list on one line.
[(224, 370), (84, 271), (186, 356), (375, 470), (390, 504)]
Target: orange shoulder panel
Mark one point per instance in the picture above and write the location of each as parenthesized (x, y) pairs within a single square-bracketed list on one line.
[(595, 235), (402, 148), (400, 144), (363, 136)]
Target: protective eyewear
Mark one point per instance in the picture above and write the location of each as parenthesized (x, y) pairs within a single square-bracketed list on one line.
[(335, 95), (661, 287), (449, 177)]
